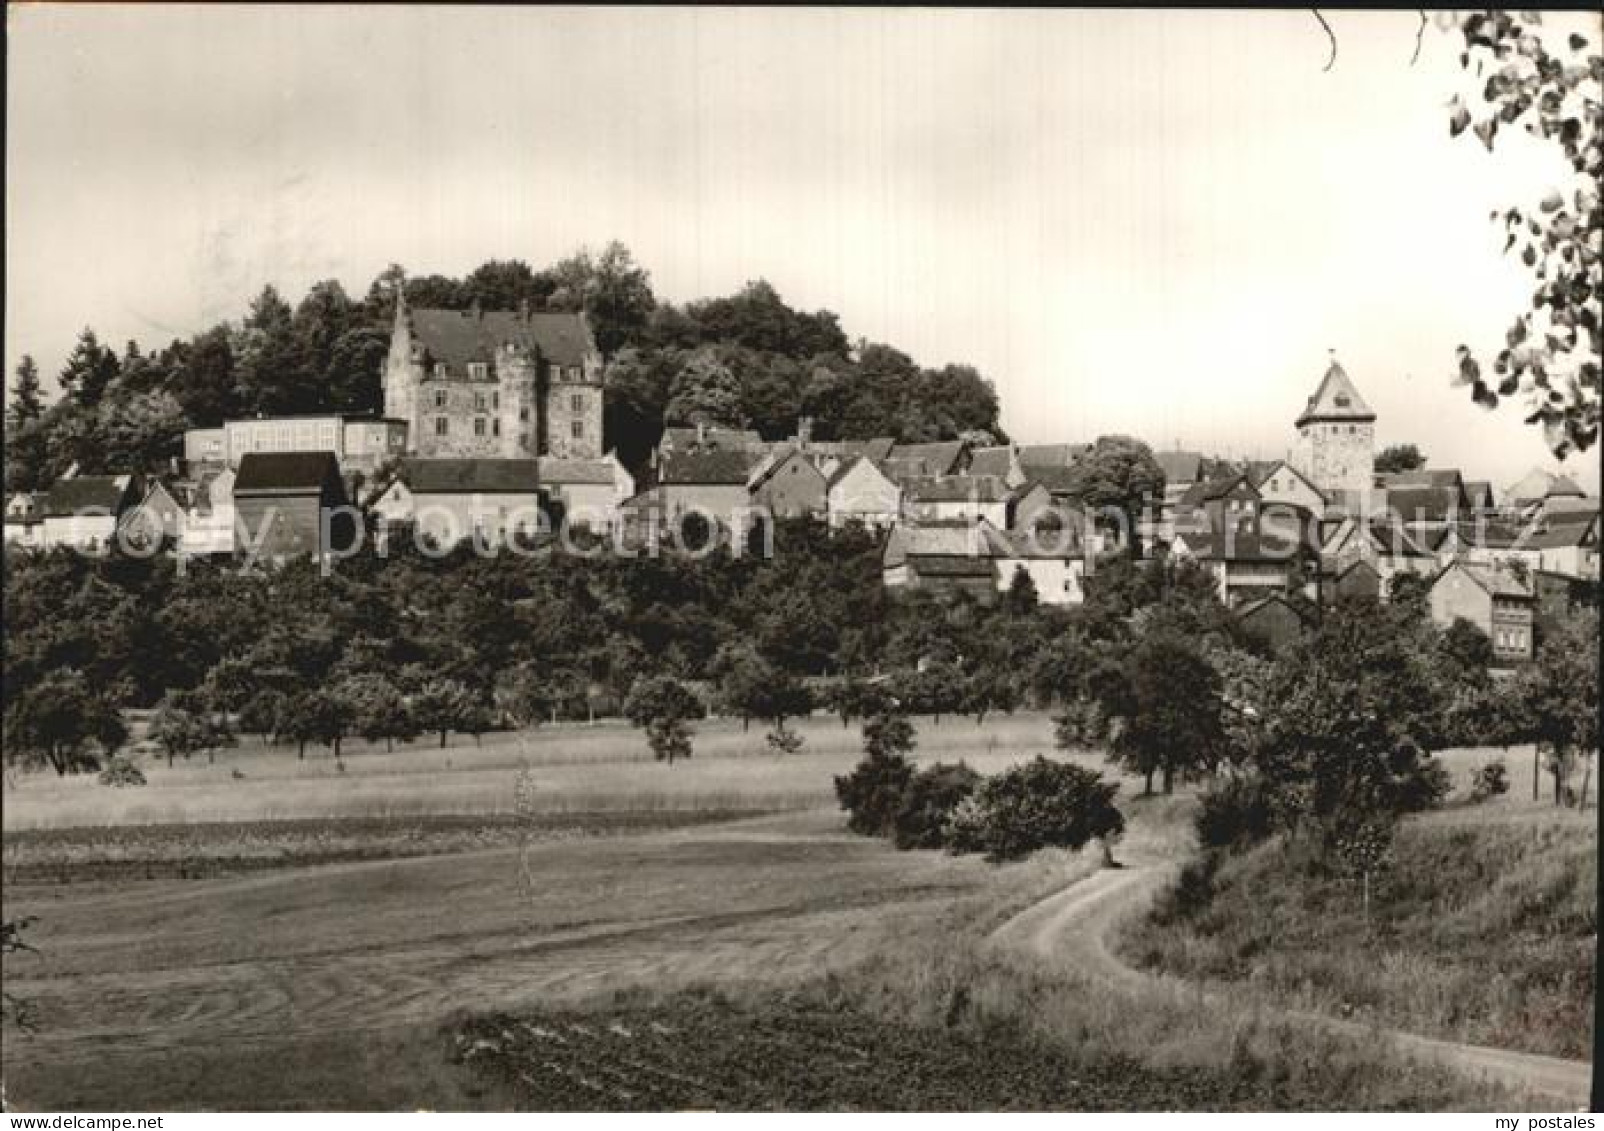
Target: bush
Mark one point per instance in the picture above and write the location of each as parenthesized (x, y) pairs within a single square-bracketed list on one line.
[(1041, 804), (1233, 814), (1490, 781), (120, 772), (783, 740), (928, 802), (1421, 782), (872, 793)]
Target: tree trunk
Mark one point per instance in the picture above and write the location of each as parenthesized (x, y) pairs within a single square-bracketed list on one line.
[(389, 744), (1587, 779), (211, 755), (1169, 780), (1108, 853), (1558, 764), (746, 724), (169, 759), (1537, 770), (1147, 790), (300, 749), (442, 740), (337, 740)]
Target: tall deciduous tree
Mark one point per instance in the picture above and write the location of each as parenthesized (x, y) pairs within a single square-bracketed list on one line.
[(1551, 90), (1399, 457)]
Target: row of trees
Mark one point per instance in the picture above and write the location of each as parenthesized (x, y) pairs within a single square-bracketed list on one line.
[(746, 359)]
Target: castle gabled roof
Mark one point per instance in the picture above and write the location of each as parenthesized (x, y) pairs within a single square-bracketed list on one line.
[(1337, 399), (457, 337)]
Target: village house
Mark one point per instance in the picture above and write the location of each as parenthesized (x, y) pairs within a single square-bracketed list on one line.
[(156, 520), (979, 558), (360, 443), (1357, 579), (24, 520), (858, 491), (1248, 561), (1280, 482), (1538, 487), (789, 485), (1493, 599), (1215, 503), (586, 492), (707, 438), (1564, 542), (292, 503), (957, 497), (927, 461), (1479, 495), (208, 525), (1384, 542), (1000, 462), (85, 511), (712, 484), (450, 500), (1276, 620)]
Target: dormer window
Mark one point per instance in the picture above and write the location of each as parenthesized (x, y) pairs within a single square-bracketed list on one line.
[(439, 371), (478, 371)]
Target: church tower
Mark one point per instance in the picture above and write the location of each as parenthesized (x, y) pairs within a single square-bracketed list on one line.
[(403, 369), (1337, 439)]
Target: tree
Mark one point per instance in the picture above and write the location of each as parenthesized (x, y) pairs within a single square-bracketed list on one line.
[(928, 802), (855, 698), (611, 288), (1558, 697), (662, 706), (704, 392), (1021, 598), (1399, 457), (1040, 804), (1552, 349), (887, 733), (522, 695), (1171, 716), (1117, 475), (316, 716), (183, 725), (27, 405), (58, 718), (742, 676), (89, 370), (376, 707), (872, 793), (442, 706)]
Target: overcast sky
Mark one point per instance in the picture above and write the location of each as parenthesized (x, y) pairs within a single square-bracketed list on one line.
[(1154, 223)]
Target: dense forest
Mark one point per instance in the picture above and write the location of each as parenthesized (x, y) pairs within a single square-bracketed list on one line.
[(746, 359)]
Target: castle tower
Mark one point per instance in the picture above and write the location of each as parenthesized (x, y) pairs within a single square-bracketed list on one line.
[(572, 420), (403, 370), (517, 377), (1337, 439)]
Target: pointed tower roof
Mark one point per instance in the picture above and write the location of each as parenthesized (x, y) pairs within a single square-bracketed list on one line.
[(1336, 400)]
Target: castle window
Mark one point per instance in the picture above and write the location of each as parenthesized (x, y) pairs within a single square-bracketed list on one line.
[(478, 426), (579, 429), (439, 398), (573, 373), (440, 370), (495, 427), (523, 413), (478, 370), (495, 399), (478, 402), (577, 402), (440, 425)]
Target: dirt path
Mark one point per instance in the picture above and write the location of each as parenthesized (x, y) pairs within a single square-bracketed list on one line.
[(1073, 927)]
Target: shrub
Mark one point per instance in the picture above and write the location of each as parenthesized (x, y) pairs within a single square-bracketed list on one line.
[(887, 732), (1489, 781), (1041, 804), (120, 772), (783, 740), (1233, 814), (872, 793), (928, 802)]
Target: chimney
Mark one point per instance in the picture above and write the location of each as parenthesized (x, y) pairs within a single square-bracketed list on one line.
[(804, 430)]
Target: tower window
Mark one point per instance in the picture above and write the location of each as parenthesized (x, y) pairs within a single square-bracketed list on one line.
[(478, 426), (579, 429), (495, 399), (478, 402), (495, 427), (523, 413), (577, 402), (439, 398), (440, 425)]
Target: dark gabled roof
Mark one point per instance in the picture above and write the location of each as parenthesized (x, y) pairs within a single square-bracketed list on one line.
[(1057, 480), (470, 476), (457, 337), (782, 455), (1035, 457), (1211, 489), (1391, 536), (711, 437), (1425, 504), (722, 466), (952, 565), (1336, 399), (108, 493), (1253, 608), (285, 472), (996, 461), (1557, 530), (1180, 467), (559, 471), (1479, 492), (958, 489), (1496, 580), (939, 458), (872, 449), (1357, 563)]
